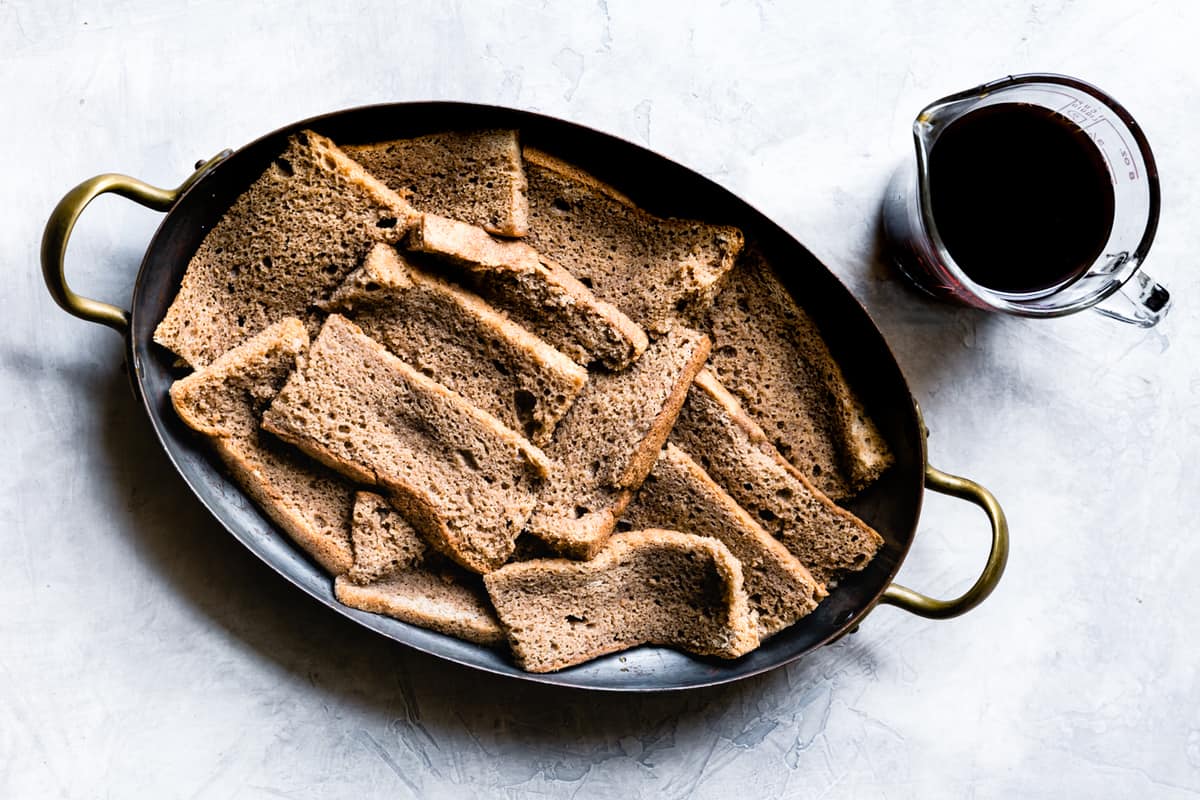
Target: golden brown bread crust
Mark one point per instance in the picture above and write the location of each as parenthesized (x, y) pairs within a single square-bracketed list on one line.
[(322, 536), (541, 158), (646, 453)]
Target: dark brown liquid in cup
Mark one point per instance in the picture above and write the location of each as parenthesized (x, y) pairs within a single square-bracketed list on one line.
[(1022, 197)]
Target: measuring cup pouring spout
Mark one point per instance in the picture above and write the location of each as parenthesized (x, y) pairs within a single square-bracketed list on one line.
[(1107, 278), (936, 116)]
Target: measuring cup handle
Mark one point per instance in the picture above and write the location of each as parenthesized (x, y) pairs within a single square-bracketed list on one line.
[(1142, 301)]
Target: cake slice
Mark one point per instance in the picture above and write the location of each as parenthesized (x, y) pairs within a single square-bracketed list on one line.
[(654, 269), (679, 495), (474, 176), (458, 340), (607, 443), (714, 430), (397, 575), (771, 356), (224, 401), (644, 587), (534, 291), (287, 242), (465, 480)]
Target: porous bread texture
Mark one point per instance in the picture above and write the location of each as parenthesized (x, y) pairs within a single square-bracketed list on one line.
[(397, 575), (534, 291), (456, 338), (383, 542), (608, 441), (655, 270), (679, 495), (465, 480), (734, 450), (644, 587), (475, 176), (224, 401), (771, 356), (288, 241)]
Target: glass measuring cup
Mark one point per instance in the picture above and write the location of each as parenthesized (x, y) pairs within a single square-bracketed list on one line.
[(1113, 283)]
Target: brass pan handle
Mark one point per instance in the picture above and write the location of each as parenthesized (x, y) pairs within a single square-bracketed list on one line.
[(924, 606), (62, 222)]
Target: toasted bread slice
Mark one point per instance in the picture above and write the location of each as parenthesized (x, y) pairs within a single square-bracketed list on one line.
[(608, 442), (713, 429), (771, 356), (224, 401), (653, 269), (287, 242), (465, 480), (679, 495), (397, 575), (474, 176), (644, 587), (534, 291), (456, 338)]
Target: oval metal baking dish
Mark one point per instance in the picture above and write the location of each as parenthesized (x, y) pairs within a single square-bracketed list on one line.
[(892, 505)]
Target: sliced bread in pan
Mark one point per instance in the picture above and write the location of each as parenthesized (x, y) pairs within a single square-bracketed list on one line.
[(643, 587), (734, 450), (465, 480), (382, 541), (287, 242), (679, 495), (651, 268), (607, 443), (225, 400), (475, 176), (771, 356), (534, 291), (456, 338), (396, 574)]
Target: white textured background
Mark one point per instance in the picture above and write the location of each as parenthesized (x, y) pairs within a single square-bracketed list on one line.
[(143, 653)]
